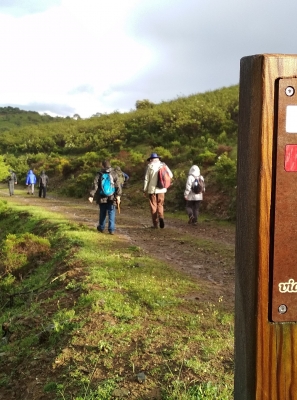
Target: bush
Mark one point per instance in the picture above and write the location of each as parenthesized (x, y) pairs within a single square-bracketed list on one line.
[(163, 153), (225, 172), (207, 158), (21, 253), (81, 186)]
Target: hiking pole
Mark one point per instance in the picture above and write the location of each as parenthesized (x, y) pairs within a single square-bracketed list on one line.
[(118, 204)]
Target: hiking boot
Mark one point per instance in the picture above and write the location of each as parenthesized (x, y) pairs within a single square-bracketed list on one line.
[(99, 229), (154, 227), (191, 219), (111, 232), (162, 223)]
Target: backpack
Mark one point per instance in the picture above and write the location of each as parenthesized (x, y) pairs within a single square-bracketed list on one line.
[(107, 184), (121, 178), (198, 185), (164, 179), (43, 179)]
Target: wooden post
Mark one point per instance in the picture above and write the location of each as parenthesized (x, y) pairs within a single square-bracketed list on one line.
[(265, 317)]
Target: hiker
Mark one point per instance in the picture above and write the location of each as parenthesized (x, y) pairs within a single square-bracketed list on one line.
[(106, 191), (122, 176), (42, 184), (30, 181), (156, 195), (193, 194), (11, 180)]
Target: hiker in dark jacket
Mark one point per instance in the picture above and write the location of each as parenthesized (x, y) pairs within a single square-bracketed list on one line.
[(11, 180), (107, 204), (42, 184), (31, 181)]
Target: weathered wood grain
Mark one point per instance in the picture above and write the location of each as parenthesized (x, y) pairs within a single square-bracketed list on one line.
[(265, 352)]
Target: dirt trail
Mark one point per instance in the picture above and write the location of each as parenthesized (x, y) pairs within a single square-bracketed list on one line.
[(204, 252)]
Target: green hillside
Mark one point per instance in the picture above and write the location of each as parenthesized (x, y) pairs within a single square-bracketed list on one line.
[(198, 129), (12, 117)]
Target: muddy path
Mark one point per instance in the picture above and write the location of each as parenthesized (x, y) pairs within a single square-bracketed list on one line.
[(204, 252)]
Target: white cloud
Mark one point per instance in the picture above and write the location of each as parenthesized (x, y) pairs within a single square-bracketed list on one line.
[(97, 56), (49, 56), (23, 7)]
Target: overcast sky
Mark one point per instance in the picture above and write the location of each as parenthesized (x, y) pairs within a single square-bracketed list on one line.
[(67, 57)]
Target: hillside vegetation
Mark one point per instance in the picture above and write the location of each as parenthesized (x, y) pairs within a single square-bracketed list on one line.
[(198, 129), (11, 117)]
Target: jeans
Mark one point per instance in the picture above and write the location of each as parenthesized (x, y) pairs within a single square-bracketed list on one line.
[(107, 208)]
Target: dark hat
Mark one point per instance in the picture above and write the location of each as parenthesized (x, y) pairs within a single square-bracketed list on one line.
[(153, 155)]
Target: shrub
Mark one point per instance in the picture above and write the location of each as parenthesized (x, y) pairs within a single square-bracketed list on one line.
[(225, 172), (136, 158), (224, 149), (80, 186), (207, 158), (164, 153), (21, 253)]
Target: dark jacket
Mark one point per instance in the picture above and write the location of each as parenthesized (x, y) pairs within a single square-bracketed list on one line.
[(95, 192), (43, 180), (12, 177)]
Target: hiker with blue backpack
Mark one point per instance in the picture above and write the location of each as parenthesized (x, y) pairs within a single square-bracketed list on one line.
[(156, 182), (106, 192), (195, 187)]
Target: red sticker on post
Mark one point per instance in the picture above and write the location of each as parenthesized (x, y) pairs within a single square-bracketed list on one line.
[(291, 158)]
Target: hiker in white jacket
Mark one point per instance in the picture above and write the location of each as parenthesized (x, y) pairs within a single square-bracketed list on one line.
[(194, 199), (156, 195)]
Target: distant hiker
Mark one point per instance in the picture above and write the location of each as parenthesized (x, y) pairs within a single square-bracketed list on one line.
[(42, 184), (31, 181), (193, 194), (106, 191), (11, 180), (156, 194), (122, 176)]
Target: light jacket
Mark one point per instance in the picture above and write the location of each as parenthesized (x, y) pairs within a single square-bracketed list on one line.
[(151, 177), (189, 194), (31, 178)]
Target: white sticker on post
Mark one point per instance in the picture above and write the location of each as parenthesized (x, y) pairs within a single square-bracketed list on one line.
[(291, 119)]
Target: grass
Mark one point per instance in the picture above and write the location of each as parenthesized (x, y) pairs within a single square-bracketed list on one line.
[(99, 311)]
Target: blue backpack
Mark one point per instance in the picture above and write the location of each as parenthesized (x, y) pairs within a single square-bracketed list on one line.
[(107, 185)]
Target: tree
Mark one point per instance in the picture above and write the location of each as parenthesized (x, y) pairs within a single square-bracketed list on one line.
[(143, 104)]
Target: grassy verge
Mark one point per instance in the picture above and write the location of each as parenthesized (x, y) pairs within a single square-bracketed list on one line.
[(88, 316)]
